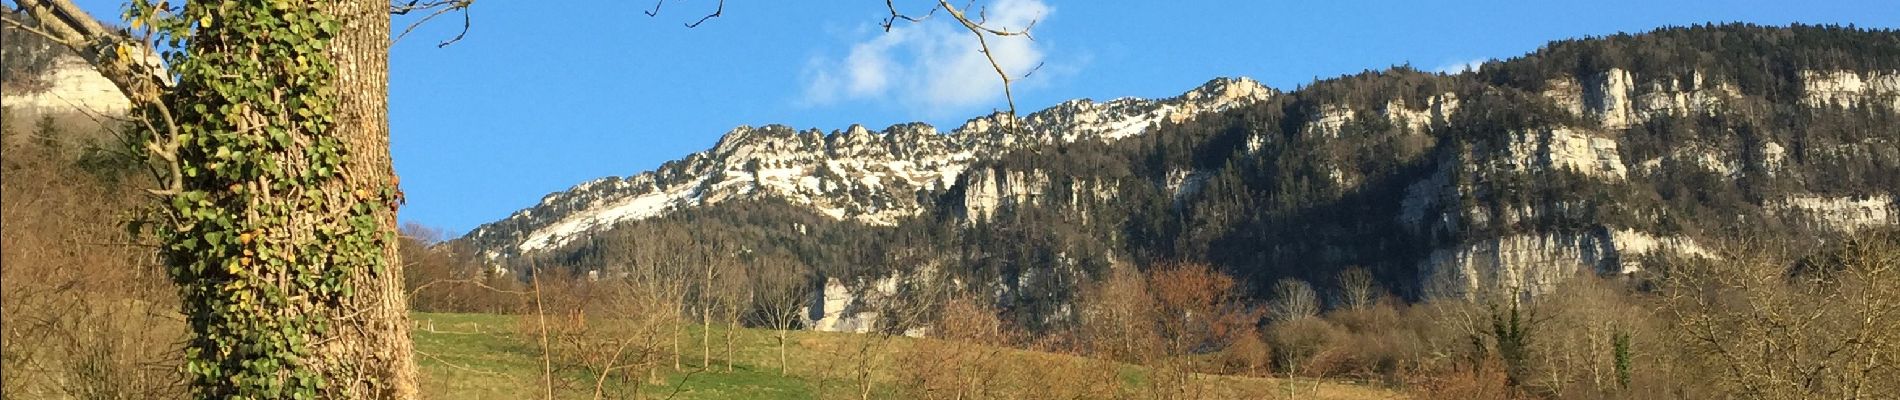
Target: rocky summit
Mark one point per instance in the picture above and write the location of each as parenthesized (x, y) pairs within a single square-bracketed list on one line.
[(877, 178)]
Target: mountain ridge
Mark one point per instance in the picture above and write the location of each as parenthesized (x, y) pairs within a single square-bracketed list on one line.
[(915, 153), (1595, 155)]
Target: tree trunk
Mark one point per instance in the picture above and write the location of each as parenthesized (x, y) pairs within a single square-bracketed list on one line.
[(679, 325), (282, 220), (783, 367), (371, 335), (732, 324), (705, 338)]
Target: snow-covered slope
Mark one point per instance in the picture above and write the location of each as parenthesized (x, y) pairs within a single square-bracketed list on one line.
[(850, 174)]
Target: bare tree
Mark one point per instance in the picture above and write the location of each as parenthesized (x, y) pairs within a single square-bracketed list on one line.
[(733, 295), (1116, 317), (1774, 327), (1293, 299), (1357, 288), (780, 292), (966, 359), (1164, 320)]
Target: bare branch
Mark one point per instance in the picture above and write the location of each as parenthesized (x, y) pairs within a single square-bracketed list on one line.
[(139, 80), (458, 36), (655, 12), (470, 281), (440, 7), (720, 10), (978, 27), (414, 5), (897, 16), (48, 35)]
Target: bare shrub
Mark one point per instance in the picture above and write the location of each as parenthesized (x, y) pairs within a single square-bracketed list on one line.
[(1484, 381), (966, 359), (1766, 325), (1117, 318), (443, 277), (1305, 346), (605, 338), (89, 313), (1180, 320)]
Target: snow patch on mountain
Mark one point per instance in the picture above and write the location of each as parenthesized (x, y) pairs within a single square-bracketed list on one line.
[(876, 178), (643, 206)]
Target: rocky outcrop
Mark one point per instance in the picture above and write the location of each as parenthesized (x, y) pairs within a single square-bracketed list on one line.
[(1429, 203), (1438, 111), (1560, 148), (72, 85), (1849, 89), (989, 191), (1616, 101), (1841, 214), (1533, 264), (1331, 119), (842, 308)]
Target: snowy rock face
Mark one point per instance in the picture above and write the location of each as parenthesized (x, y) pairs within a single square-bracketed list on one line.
[(73, 85), (855, 174)]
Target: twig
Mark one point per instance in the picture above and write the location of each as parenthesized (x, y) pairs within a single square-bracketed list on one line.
[(720, 10), (978, 28), (656, 8), (37, 31), (441, 7), (897, 16)]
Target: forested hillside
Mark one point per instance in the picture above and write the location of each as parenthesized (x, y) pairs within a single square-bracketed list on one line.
[(1588, 156), (1583, 156)]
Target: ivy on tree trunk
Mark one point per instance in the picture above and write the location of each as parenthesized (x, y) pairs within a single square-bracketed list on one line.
[(280, 227)]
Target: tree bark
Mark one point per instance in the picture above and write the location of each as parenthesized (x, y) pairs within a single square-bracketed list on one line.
[(732, 324), (371, 335)]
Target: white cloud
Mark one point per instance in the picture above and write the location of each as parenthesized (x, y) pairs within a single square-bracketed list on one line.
[(933, 65), (1458, 67)]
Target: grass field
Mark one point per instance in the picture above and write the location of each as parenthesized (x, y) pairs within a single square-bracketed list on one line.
[(481, 356)]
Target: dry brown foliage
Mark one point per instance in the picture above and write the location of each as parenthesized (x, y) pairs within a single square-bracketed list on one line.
[(607, 338), (88, 311), (1769, 326)]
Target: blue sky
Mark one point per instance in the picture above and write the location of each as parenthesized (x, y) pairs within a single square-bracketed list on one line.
[(542, 95)]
